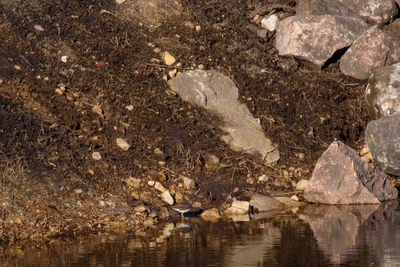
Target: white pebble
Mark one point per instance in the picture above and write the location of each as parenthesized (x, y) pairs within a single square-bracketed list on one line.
[(64, 59), (270, 22), (96, 156), (123, 144)]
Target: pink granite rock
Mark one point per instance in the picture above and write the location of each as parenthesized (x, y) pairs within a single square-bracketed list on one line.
[(371, 50), (317, 38), (341, 177)]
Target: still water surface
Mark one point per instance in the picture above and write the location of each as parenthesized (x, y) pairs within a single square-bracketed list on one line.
[(366, 235)]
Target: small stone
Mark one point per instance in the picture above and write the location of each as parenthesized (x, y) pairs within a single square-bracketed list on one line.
[(157, 50), (97, 109), (198, 28), (196, 204), (211, 160), (91, 172), (78, 191), (301, 156), (148, 222), (59, 91), (270, 22), (102, 203), (168, 198), (129, 107), (64, 59), (200, 66), (140, 208), (262, 203), (178, 197), (159, 187), (17, 67), (188, 183), (158, 152), (244, 205), (38, 27), (123, 144), (172, 73), (262, 33), (257, 19), (120, 1), (1, 81), (302, 184), (18, 221), (263, 178), (151, 183), (96, 155), (295, 198), (168, 58), (210, 215), (250, 180)]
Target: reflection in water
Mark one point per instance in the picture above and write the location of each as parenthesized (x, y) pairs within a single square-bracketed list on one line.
[(367, 235)]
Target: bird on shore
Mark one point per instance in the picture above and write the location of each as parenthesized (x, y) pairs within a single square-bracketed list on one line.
[(183, 207)]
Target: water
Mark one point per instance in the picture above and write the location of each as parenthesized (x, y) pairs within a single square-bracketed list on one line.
[(366, 235)]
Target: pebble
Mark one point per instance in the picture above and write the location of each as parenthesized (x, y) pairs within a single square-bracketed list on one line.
[(164, 212), (198, 28), (159, 187), (210, 160), (156, 50), (97, 109), (188, 183), (158, 152), (1, 81), (210, 215), (250, 180), (96, 155), (238, 207), (168, 58), (120, 1), (129, 107), (38, 27), (200, 66), (295, 198), (59, 91), (302, 184), (151, 183), (262, 33), (178, 197), (78, 191), (17, 67), (148, 222), (140, 208), (172, 73), (168, 198), (301, 156), (123, 144), (263, 178), (270, 22), (64, 59)]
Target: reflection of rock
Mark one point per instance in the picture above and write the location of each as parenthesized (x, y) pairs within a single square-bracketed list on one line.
[(381, 234), (219, 94), (336, 228), (253, 252)]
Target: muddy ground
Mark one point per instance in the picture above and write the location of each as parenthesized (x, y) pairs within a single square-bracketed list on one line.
[(51, 186)]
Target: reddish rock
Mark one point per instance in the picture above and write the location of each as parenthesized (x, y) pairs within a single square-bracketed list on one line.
[(341, 177), (371, 50), (317, 38)]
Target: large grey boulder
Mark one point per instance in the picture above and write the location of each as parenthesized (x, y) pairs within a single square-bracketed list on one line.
[(218, 94), (374, 11), (317, 38), (322, 7), (383, 139), (371, 50), (341, 177), (383, 91)]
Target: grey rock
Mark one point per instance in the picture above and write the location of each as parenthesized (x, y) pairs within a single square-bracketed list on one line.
[(218, 94), (322, 7), (378, 11), (261, 203), (383, 139), (383, 91), (371, 50), (374, 11), (341, 177), (316, 38)]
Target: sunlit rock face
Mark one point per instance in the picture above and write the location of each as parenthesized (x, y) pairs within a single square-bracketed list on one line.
[(218, 94), (315, 38), (341, 177)]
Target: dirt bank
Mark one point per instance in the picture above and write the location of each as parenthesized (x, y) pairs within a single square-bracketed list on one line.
[(50, 184)]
